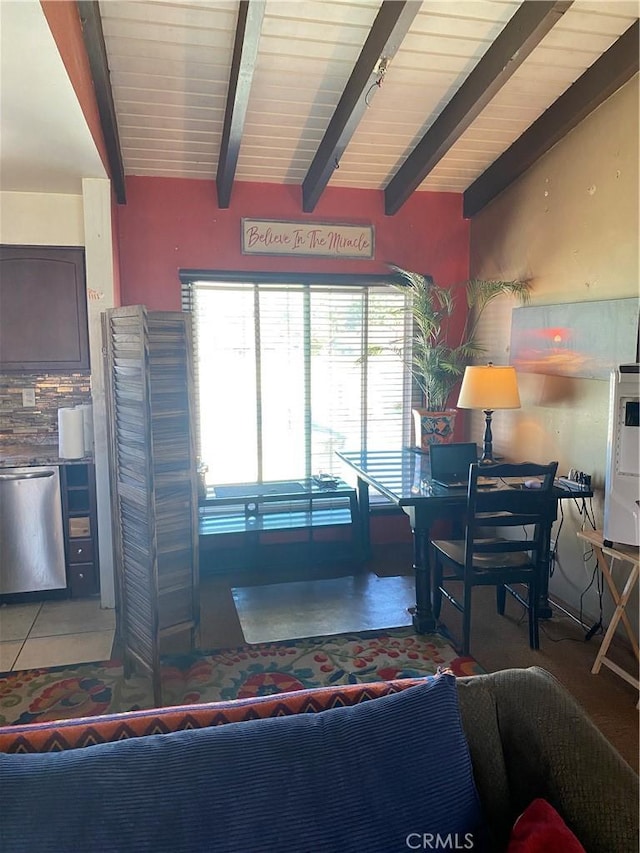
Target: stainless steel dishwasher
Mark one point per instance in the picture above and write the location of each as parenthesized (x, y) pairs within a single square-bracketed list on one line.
[(31, 540)]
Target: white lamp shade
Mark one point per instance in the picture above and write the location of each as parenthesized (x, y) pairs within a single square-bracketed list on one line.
[(489, 387)]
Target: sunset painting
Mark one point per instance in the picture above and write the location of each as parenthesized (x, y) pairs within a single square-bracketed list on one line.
[(585, 339)]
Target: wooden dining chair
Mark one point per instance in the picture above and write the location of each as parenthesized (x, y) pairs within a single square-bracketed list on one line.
[(519, 503)]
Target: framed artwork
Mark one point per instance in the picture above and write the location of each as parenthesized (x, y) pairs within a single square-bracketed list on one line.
[(579, 339)]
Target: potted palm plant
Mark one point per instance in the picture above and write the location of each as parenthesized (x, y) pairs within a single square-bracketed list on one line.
[(437, 361)]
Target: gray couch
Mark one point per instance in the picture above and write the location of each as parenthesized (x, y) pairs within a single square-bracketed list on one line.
[(529, 738)]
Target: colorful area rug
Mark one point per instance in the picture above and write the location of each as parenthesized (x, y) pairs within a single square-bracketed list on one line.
[(87, 690)]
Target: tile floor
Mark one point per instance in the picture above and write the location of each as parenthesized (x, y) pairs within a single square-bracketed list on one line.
[(54, 633)]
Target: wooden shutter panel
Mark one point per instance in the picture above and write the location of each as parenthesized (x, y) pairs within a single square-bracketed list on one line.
[(149, 385)]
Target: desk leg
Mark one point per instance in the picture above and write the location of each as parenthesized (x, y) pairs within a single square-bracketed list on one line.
[(423, 620), (544, 608), (356, 530), (363, 513)]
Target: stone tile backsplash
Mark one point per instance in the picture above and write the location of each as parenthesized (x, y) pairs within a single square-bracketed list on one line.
[(38, 424)]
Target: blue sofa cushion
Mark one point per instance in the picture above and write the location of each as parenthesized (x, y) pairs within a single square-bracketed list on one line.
[(378, 776)]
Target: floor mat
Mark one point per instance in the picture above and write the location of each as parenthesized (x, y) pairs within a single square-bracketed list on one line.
[(319, 608)]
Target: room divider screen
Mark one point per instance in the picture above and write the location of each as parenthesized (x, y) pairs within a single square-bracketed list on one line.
[(149, 389)]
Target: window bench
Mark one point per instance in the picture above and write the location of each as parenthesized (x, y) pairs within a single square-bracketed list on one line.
[(256, 509)]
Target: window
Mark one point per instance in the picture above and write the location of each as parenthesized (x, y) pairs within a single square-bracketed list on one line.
[(289, 372)]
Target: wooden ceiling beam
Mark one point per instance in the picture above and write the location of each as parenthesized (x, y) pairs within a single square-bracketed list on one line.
[(607, 74), (243, 64), (385, 36), (97, 53), (526, 29)]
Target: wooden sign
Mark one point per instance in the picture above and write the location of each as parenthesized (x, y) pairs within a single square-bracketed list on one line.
[(316, 239)]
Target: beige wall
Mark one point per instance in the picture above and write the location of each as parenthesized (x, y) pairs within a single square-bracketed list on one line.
[(570, 224), (41, 219)]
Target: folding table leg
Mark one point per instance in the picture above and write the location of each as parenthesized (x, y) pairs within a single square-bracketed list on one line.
[(619, 614)]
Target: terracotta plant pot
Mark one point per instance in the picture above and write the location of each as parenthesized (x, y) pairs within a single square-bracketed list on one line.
[(432, 427)]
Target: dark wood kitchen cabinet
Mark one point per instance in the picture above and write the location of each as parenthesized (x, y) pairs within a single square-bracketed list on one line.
[(43, 316), (80, 528)]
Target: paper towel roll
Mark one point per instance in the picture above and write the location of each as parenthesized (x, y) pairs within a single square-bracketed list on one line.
[(70, 434), (87, 424)]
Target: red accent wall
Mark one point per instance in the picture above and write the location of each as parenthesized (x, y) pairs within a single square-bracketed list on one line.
[(172, 223), (169, 223)]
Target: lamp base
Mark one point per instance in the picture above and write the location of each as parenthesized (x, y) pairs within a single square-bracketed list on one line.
[(487, 441)]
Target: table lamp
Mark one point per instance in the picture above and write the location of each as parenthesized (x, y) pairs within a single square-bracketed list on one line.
[(488, 387)]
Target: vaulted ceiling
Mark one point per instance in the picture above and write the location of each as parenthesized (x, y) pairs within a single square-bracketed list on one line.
[(447, 95)]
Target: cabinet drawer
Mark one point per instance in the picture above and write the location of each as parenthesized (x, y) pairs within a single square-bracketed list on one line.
[(82, 579), (79, 528), (80, 551), (78, 500)]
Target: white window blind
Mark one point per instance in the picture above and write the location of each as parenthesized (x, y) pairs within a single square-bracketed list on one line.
[(289, 373)]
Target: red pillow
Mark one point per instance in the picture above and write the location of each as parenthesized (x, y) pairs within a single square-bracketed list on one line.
[(540, 829)]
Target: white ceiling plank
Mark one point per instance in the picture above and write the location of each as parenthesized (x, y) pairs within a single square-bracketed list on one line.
[(151, 97), (300, 31), (165, 83), (628, 9), (310, 49), (187, 37), (565, 39), (582, 23), (181, 112), (160, 122), (220, 15), (179, 153), (144, 171), (139, 50), (133, 128), (318, 11), (175, 69)]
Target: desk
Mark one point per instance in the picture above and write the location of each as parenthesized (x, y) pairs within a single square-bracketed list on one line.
[(627, 555), (404, 477)]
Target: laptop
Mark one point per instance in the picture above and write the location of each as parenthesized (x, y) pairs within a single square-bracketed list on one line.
[(450, 465)]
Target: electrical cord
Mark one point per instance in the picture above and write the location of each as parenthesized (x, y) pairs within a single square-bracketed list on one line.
[(586, 513), (382, 71), (541, 627), (558, 639), (597, 627), (553, 557), (367, 103)]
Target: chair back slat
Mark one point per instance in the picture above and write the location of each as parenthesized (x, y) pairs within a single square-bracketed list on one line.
[(510, 504)]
